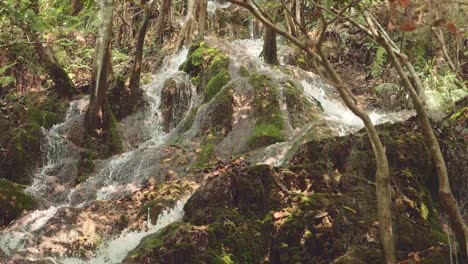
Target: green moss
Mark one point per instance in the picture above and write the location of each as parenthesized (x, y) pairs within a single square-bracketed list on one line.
[(178, 241), (220, 113), (245, 239), (190, 119), (203, 63), (23, 152), (244, 72), (265, 134), (43, 118), (13, 201), (269, 121), (215, 84)]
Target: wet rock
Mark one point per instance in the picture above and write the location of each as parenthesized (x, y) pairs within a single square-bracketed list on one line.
[(177, 243), (176, 95)]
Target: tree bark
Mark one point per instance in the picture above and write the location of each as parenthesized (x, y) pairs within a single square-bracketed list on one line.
[(77, 7), (269, 52), (136, 71), (445, 193), (62, 82), (185, 35), (102, 68), (202, 5)]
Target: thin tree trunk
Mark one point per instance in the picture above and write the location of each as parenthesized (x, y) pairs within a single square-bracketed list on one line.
[(202, 5), (62, 82), (164, 14), (136, 71), (269, 52), (102, 68), (445, 193), (382, 175), (185, 37), (298, 11)]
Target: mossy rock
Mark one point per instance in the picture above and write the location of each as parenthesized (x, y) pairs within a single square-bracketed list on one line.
[(13, 201), (300, 110), (203, 64), (215, 84), (23, 153), (269, 127)]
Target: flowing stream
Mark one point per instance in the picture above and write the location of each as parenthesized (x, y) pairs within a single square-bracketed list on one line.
[(123, 174)]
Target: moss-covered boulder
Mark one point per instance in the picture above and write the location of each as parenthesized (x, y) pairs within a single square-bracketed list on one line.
[(269, 127), (13, 201), (207, 65)]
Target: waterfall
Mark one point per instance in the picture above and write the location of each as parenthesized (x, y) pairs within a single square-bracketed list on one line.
[(120, 175)]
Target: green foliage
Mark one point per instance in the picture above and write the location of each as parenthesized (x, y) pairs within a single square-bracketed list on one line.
[(378, 63)]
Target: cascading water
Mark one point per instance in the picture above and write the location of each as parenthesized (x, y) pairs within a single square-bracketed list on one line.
[(340, 119), (119, 175)]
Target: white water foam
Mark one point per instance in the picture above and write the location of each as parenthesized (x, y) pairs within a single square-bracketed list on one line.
[(115, 250)]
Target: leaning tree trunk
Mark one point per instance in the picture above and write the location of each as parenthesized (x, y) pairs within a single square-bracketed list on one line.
[(382, 175), (62, 82), (269, 52), (185, 35), (136, 71), (102, 68), (445, 193)]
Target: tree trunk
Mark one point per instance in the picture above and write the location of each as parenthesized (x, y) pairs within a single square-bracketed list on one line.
[(164, 13), (185, 35), (62, 82), (136, 71), (202, 5), (102, 68), (445, 193), (269, 52), (382, 175), (298, 11)]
